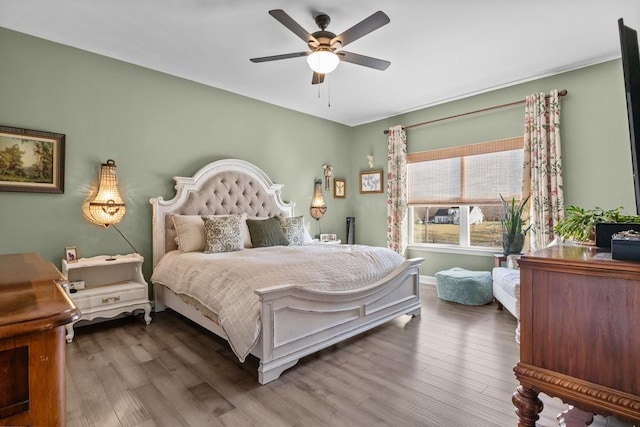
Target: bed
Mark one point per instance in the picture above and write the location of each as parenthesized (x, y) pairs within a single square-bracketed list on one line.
[(294, 318)]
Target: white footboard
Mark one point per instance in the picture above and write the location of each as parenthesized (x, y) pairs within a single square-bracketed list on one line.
[(298, 321)]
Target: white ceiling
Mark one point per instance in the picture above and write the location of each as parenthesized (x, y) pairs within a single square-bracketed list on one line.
[(439, 50)]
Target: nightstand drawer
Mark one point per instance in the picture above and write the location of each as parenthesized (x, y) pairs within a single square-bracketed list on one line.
[(110, 295)]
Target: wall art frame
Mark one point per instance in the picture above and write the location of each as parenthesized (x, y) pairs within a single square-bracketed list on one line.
[(31, 160), (339, 188), (371, 181)]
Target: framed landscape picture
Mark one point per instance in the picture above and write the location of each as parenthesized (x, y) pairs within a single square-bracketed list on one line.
[(371, 181), (31, 160)]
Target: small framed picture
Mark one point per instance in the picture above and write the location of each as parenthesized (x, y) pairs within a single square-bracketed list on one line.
[(339, 188), (71, 254), (371, 181), (328, 237)]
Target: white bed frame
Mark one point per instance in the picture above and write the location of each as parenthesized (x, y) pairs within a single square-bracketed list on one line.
[(295, 321)]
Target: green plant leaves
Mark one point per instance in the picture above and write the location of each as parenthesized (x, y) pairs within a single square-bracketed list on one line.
[(512, 221), (579, 223)]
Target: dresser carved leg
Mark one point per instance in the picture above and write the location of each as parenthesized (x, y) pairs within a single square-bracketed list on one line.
[(528, 406)]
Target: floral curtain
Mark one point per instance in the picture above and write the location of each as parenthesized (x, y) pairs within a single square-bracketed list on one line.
[(542, 177), (397, 190)]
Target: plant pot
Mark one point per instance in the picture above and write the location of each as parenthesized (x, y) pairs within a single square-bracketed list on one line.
[(512, 243)]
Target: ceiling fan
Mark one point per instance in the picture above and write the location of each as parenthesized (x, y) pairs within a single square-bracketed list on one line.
[(326, 48)]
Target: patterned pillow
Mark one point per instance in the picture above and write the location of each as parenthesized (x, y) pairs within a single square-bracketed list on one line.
[(267, 232), (223, 233), (294, 230)]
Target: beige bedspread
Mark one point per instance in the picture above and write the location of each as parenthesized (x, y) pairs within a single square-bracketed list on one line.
[(225, 282)]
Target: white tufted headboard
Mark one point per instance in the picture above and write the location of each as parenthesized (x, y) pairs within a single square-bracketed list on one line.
[(222, 187)]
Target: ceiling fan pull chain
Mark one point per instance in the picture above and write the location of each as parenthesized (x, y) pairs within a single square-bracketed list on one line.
[(329, 92)]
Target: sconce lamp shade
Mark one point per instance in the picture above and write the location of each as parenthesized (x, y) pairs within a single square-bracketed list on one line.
[(323, 61), (318, 208), (107, 207)]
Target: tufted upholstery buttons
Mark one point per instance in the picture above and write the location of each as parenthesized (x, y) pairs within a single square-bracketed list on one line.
[(228, 192)]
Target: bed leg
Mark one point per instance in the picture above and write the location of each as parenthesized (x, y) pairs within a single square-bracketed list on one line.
[(266, 375), (158, 304), (416, 312)]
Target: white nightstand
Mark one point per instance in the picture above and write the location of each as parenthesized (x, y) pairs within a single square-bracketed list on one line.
[(330, 242), (111, 287)]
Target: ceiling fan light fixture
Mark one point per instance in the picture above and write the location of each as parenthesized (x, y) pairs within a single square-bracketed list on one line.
[(323, 61)]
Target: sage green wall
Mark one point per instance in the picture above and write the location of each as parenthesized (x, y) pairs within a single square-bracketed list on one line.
[(154, 126), (595, 144)]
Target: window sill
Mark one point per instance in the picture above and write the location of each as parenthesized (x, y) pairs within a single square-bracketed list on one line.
[(453, 249)]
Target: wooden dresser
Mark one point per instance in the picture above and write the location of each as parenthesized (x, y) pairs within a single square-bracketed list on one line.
[(579, 332), (34, 310)]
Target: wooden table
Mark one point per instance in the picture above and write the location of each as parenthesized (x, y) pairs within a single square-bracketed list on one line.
[(33, 311), (579, 332)]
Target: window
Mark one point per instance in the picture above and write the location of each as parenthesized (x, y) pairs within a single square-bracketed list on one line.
[(454, 193)]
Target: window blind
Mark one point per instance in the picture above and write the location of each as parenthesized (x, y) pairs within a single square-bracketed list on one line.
[(475, 174)]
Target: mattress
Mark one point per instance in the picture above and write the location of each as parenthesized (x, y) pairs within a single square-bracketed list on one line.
[(224, 283)]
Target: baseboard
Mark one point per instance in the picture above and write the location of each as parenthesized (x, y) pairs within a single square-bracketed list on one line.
[(427, 280)]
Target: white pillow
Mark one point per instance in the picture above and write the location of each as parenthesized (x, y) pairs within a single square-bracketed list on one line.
[(307, 237), (190, 232)]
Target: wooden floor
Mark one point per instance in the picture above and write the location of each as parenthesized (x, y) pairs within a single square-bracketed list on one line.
[(450, 367)]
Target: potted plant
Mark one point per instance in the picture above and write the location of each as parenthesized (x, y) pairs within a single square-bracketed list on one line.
[(579, 224), (514, 228)]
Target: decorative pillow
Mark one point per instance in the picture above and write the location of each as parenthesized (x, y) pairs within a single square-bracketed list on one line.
[(246, 237), (190, 232), (247, 242), (267, 232), (307, 237), (512, 262), (294, 229), (223, 233)]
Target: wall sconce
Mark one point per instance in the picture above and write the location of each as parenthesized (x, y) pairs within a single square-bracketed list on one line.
[(107, 207), (318, 207)]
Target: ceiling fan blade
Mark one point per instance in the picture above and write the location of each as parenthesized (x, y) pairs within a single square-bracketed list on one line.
[(366, 61), (362, 28), (292, 25), (277, 57), (317, 78)]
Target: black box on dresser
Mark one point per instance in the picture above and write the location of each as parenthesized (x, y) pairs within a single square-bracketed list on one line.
[(625, 246)]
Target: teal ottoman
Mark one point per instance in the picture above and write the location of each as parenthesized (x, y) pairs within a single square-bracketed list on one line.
[(464, 286)]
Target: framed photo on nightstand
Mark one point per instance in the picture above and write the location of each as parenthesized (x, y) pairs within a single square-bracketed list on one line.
[(71, 254), (327, 238)]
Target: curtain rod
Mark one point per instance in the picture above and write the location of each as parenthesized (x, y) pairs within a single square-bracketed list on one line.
[(562, 92)]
